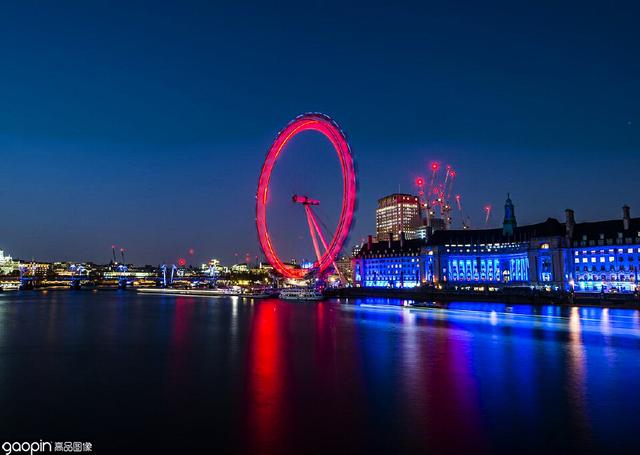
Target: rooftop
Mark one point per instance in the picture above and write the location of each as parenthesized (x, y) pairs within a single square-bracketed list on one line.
[(382, 247), (609, 228), (550, 227)]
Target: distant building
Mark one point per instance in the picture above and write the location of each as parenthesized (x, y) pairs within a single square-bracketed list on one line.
[(211, 268), (396, 213), (7, 264), (4, 259), (594, 257), (345, 267), (242, 267)]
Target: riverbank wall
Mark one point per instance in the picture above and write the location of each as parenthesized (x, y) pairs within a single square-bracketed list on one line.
[(516, 295)]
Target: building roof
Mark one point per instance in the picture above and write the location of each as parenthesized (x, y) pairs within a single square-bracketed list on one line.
[(593, 231), (382, 247), (609, 228), (549, 228), (398, 197)]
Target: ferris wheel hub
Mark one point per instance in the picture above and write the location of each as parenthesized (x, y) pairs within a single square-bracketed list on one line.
[(304, 200)]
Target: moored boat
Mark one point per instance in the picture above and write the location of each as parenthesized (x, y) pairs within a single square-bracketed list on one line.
[(300, 294), (260, 293)]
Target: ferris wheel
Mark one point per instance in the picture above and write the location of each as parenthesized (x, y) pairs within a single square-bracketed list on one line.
[(326, 250)]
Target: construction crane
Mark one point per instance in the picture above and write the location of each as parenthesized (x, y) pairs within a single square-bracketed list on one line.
[(487, 214)]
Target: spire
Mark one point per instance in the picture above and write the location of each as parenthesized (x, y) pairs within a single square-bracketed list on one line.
[(509, 225)]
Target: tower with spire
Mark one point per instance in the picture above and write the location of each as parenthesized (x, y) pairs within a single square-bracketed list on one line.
[(509, 224)]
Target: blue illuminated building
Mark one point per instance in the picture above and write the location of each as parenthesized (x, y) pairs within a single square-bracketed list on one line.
[(604, 256), (511, 256), (585, 257), (391, 264)]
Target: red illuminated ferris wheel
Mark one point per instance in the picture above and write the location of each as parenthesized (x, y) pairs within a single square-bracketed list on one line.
[(326, 126)]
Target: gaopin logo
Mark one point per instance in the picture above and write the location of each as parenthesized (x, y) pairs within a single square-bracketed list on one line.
[(27, 447)]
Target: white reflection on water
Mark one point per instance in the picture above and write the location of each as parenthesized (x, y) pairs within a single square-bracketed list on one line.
[(605, 323), (577, 371), (592, 320), (413, 379), (494, 318)]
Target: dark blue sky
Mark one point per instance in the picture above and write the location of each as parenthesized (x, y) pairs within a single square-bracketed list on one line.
[(144, 124)]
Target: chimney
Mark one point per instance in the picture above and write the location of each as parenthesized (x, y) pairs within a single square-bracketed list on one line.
[(570, 222), (401, 240), (369, 242), (626, 217)]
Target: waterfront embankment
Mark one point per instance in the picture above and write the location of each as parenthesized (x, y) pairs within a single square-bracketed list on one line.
[(506, 295)]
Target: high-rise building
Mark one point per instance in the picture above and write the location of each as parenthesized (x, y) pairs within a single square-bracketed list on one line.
[(396, 213)]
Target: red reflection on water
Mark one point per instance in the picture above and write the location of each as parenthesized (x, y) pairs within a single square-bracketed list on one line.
[(178, 349), (180, 323), (325, 341), (265, 379)]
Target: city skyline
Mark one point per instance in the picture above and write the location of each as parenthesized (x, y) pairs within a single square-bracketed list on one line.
[(154, 141)]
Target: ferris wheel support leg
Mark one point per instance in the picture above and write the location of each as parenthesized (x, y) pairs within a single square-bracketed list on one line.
[(311, 221), (324, 243)]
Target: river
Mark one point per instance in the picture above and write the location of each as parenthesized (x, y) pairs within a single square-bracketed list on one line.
[(150, 373)]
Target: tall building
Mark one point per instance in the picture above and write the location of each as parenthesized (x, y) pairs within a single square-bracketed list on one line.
[(396, 213)]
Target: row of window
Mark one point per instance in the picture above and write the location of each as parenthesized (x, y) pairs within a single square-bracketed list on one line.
[(603, 268), (610, 251), (605, 277), (603, 259), (491, 270)]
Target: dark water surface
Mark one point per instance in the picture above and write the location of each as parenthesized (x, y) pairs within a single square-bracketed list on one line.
[(156, 373)]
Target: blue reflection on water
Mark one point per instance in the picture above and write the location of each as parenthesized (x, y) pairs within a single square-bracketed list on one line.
[(564, 375)]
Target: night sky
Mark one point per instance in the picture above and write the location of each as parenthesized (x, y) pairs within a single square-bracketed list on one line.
[(144, 124)]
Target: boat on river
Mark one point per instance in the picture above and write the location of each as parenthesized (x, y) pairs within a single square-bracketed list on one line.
[(300, 294), (187, 291), (260, 293)]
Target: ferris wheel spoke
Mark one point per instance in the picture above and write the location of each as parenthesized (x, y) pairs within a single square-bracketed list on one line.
[(322, 239), (312, 231)]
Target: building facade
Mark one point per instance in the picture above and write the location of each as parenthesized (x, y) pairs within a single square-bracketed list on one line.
[(7, 264), (513, 256), (396, 213), (604, 256), (582, 257), (390, 263)]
